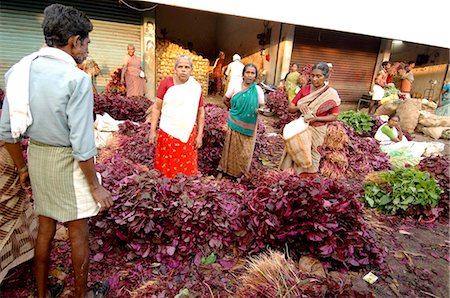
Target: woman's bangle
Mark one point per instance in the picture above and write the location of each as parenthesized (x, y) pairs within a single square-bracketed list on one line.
[(23, 169)]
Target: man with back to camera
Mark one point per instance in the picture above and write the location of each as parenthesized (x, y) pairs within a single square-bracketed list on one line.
[(50, 100)]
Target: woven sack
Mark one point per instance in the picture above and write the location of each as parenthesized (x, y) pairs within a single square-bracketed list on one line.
[(434, 132), (299, 148), (431, 120), (409, 115), (388, 108)]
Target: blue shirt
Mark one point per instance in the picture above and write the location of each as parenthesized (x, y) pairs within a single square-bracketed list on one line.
[(61, 104)]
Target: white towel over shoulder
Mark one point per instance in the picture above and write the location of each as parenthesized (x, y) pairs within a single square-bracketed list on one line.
[(18, 87)]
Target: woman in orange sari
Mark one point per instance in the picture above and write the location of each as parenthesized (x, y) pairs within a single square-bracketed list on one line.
[(131, 74), (319, 104), (218, 74)]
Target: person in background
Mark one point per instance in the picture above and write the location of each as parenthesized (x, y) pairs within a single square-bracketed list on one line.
[(178, 106), (234, 73), (444, 101), (18, 223), (90, 67), (319, 104), (50, 100), (243, 102), (291, 85), (407, 79), (218, 74), (132, 75), (378, 87)]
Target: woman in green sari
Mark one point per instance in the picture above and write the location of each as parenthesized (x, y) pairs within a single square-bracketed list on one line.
[(243, 102)]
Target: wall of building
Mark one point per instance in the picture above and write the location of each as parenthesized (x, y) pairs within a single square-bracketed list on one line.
[(404, 52), (239, 35), (422, 78), (186, 25)]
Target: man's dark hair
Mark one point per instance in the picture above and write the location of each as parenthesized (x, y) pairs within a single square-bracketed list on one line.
[(61, 22), (385, 63)]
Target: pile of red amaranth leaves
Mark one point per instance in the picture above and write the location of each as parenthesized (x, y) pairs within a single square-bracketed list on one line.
[(121, 107), (115, 85), (177, 222), (277, 103), (439, 168)]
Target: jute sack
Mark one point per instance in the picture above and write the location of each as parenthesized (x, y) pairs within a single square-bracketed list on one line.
[(388, 108), (434, 132), (409, 115), (299, 148), (431, 120)]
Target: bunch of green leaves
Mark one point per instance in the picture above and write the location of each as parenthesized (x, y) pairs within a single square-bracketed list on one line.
[(396, 191), (361, 122), (391, 90)]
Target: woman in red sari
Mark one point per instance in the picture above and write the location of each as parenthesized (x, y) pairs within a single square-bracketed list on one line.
[(178, 107), (319, 104)]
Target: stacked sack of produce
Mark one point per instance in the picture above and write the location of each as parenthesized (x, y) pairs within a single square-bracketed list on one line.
[(167, 52), (433, 125)]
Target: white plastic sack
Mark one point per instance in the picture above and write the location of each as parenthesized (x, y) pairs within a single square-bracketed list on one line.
[(106, 123), (102, 138), (294, 127)]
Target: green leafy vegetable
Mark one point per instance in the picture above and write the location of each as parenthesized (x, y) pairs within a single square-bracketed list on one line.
[(211, 259), (361, 122), (396, 191)]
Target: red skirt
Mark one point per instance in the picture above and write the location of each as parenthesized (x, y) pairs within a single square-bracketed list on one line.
[(173, 157)]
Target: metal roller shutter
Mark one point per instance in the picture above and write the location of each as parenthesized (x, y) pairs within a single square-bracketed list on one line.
[(21, 34), (353, 57)]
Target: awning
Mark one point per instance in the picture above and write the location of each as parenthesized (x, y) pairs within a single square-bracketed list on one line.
[(411, 21)]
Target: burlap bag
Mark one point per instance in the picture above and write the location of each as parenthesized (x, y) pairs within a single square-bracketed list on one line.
[(388, 108), (431, 120), (409, 114), (434, 132), (299, 148)]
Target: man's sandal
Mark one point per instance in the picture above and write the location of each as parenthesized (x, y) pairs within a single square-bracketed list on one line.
[(99, 289)]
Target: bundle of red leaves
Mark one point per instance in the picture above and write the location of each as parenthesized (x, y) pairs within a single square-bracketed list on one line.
[(121, 107), (213, 139), (277, 103), (2, 95), (361, 156), (439, 167), (114, 85)]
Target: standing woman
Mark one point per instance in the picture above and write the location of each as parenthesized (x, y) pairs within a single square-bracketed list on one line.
[(131, 74), (291, 83), (179, 104), (218, 74), (319, 104), (243, 101)]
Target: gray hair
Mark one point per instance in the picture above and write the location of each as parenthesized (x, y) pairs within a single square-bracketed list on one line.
[(323, 67), (181, 57)]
